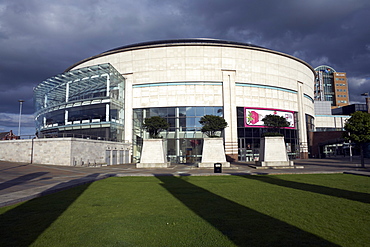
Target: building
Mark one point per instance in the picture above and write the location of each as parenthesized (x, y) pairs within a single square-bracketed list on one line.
[(109, 95), (327, 137), (349, 109), (331, 86)]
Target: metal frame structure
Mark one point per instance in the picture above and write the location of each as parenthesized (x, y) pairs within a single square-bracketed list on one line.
[(95, 92)]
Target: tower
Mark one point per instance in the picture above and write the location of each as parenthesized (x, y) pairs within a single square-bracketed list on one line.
[(331, 86)]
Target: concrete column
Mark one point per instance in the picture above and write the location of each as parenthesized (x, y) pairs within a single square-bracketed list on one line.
[(302, 131), (45, 100), (177, 130), (128, 107), (108, 85), (229, 106), (65, 117), (67, 90), (107, 113)]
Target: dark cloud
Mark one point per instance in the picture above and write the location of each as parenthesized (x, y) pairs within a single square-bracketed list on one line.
[(41, 38)]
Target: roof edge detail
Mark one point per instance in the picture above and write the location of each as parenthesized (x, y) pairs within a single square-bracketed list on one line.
[(187, 42)]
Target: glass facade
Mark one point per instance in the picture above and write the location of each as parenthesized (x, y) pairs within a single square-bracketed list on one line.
[(249, 139), (184, 138), (87, 102), (331, 86), (324, 84)]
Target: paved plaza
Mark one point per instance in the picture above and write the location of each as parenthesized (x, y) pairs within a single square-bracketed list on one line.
[(21, 181)]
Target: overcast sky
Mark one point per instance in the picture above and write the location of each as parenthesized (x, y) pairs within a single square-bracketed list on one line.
[(41, 38)]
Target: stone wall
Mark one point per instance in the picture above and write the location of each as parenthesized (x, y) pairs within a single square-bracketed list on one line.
[(16, 150), (65, 151)]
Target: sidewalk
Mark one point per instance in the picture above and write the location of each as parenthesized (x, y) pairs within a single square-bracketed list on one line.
[(20, 181)]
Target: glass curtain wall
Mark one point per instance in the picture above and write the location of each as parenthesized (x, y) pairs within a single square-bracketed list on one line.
[(325, 81), (184, 139), (87, 101), (249, 139)]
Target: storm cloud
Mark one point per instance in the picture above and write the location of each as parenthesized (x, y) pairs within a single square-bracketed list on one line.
[(41, 38)]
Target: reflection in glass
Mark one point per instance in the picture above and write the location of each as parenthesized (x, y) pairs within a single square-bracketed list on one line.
[(190, 111), (184, 138)]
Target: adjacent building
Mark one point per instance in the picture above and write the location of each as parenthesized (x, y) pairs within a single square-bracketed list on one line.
[(331, 86)]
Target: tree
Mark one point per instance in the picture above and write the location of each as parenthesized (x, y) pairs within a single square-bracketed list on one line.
[(154, 125), (275, 123), (212, 124), (358, 130)]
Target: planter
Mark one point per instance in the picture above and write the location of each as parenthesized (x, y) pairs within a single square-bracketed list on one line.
[(273, 153), (153, 154), (213, 152)]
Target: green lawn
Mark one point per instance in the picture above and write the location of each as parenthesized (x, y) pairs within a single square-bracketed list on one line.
[(280, 210)]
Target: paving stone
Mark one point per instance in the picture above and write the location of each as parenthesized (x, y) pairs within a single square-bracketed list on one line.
[(21, 181)]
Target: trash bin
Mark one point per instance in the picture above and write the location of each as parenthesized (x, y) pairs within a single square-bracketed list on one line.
[(217, 167)]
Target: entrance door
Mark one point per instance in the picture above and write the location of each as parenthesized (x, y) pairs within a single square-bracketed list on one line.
[(190, 151), (247, 149), (114, 157), (107, 157)]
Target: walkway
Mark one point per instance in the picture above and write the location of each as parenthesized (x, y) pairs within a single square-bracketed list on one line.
[(20, 182)]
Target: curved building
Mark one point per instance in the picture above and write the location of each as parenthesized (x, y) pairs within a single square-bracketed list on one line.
[(110, 94)]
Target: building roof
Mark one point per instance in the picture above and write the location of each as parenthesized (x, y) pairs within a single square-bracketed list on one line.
[(187, 42), (183, 41), (325, 68)]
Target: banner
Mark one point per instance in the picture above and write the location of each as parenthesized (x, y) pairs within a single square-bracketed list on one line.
[(253, 116)]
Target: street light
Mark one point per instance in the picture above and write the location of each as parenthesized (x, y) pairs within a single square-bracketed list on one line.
[(367, 99), (20, 116)]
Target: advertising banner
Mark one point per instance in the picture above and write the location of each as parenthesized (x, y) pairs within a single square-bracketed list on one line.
[(253, 116)]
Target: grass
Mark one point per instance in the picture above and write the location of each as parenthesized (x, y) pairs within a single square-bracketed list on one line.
[(280, 210)]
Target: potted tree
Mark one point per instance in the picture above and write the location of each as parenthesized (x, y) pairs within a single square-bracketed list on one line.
[(153, 154), (272, 146), (274, 123), (213, 146), (154, 125)]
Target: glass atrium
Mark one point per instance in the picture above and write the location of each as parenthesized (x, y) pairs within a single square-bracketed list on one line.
[(87, 101)]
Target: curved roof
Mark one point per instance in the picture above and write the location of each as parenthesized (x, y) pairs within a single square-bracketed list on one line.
[(325, 68), (182, 41), (179, 42)]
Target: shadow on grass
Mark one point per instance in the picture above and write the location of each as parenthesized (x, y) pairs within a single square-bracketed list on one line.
[(22, 225), (242, 225), (21, 180), (350, 195)]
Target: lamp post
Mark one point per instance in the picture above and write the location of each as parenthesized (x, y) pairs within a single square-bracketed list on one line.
[(367, 100), (350, 148), (20, 116)]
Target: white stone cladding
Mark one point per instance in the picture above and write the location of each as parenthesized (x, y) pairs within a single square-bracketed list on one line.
[(191, 74), (213, 152), (331, 121), (65, 151), (153, 154)]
